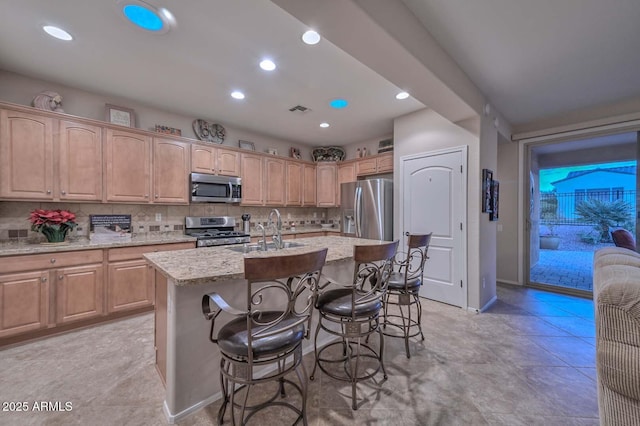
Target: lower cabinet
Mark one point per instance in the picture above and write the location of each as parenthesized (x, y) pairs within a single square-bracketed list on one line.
[(24, 302), (130, 285), (79, 293)]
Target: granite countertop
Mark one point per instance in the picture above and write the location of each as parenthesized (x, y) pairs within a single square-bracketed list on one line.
[(18, 248), (298, 231), (204, 265)]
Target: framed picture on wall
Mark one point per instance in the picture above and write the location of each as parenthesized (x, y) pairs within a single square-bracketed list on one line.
[(487, 177), (495, 197), (120, 115)]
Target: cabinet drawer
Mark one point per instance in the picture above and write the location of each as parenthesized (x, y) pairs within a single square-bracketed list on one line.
[(132, 253), (49, 260)]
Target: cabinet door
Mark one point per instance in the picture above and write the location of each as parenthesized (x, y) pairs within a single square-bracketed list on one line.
[(26, 156), (24, 302), (79, 293), (327, 184), (385, 163), (346, 173), (294, 184), (170, 171), (80, 155), (128, 166), (366, 166), (252, 179), (203, 159), (274, 181), (228, 163), (130, 285), (309, 186)]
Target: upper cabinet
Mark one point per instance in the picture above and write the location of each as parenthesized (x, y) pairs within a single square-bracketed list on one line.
[(214, 160), (326, 182), (37, 165), (274, 181), (309, 195), (252, 169), (170, 171), (26, 152), (80, 166), (294, 183), (382, 163), (128, 166)]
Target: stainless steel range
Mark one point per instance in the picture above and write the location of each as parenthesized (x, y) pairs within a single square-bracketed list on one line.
[(214, 231)]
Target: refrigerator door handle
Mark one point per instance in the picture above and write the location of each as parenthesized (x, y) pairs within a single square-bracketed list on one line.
[(358, 211)]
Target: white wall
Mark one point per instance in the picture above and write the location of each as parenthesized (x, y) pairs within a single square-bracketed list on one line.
[(507, 258), (424, 131)]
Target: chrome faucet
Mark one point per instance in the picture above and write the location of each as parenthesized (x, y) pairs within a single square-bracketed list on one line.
[(277, 228), (260, 227)]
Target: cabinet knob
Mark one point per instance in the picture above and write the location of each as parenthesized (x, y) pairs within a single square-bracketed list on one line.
[(146, 195), (53, 261), (48, 191), (156, 195), (60, 277), (43, 279), (63, 192)]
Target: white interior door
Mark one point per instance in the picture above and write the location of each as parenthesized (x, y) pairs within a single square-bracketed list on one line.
[(433, 199)]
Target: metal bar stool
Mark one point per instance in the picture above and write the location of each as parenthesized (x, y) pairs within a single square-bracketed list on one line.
[(262, 336), (403, 291), (352, 312)]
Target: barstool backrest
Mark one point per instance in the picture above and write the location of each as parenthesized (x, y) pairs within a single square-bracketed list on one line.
[(413, 265), (373, 265)]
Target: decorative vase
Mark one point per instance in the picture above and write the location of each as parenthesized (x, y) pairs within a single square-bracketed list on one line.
[(54, 235), (549, 242)]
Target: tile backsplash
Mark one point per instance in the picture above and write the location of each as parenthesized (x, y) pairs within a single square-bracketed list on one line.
[(15, 225)]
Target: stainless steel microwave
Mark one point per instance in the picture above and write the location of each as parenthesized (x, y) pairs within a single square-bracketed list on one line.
[(215, 189)]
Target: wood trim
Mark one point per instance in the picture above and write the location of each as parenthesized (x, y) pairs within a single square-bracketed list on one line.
[(30, 262)]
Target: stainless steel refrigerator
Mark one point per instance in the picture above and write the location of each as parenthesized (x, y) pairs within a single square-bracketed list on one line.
[(367, 209)]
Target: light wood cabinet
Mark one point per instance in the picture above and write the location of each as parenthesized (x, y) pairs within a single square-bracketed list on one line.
[(24, 302), (130, 285), (274, 181), (294, 183), (346, 173), (80, 162), (170, 171), (128, 166), (382, 163), (79, 293), (252, 179), (326, 184), (209, 159), (26, 153), (309, 186)]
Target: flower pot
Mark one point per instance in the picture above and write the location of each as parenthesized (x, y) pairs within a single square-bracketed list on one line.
[(549, 243), (53, 234)]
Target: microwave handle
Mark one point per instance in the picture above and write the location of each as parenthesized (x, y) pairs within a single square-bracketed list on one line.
[(230, 190)]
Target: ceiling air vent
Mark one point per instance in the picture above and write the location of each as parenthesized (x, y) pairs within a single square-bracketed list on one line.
[(299, 108)]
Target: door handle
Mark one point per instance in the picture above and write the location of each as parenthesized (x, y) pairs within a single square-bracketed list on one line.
[(406, 233)]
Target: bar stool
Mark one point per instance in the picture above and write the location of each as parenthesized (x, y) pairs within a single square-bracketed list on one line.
[(264, 337), (351, 312), (403, 290)]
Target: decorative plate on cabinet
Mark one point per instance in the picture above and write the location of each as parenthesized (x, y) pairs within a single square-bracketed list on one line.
[(209, 132), (328, 153)]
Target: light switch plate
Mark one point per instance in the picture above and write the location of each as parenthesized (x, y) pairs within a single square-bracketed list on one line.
[(158, 217)]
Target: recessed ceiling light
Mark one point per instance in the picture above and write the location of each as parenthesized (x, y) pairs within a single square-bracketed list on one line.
[(58, 33), (402, 95), (267, 65), (324, 125), (147, 16), (237, 95), (339, 103), (311, 37)]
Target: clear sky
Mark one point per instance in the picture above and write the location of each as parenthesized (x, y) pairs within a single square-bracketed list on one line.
[(551, 175)]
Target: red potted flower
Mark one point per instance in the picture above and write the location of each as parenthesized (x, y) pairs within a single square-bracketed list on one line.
[(53, 224)]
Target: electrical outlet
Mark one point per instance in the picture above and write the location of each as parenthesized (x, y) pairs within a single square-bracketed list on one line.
[(158, 217), (484, 282), (322, 214), (288, 215), (315, 215)]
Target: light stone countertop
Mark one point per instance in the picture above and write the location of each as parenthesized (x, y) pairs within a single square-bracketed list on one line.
[(11, 248), (204, 265)]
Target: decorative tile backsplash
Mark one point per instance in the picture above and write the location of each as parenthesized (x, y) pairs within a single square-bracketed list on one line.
[(14, 214)]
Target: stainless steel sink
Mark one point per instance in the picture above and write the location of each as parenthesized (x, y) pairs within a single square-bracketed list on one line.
[(248, 248)]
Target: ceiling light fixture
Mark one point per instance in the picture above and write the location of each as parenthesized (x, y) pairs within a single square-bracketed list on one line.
[(58, 33), (324, 125), (402, 95), (147, 16), (339, 103), (267, 65), (237, 94), (311, 37)]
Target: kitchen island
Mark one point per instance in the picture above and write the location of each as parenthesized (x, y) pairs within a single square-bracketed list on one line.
[(186, 359)]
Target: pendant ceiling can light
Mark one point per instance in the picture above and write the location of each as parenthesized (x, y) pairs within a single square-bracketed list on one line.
[(58, 33), (146, 16), (311, 37)]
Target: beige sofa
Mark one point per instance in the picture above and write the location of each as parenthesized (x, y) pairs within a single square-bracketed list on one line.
[(616, 292)]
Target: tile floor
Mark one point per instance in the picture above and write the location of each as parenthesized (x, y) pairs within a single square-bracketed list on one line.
[(529, 360)]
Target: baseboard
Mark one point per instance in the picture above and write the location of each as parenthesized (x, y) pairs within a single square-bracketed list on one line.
[(487, 305), (508, 282)]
